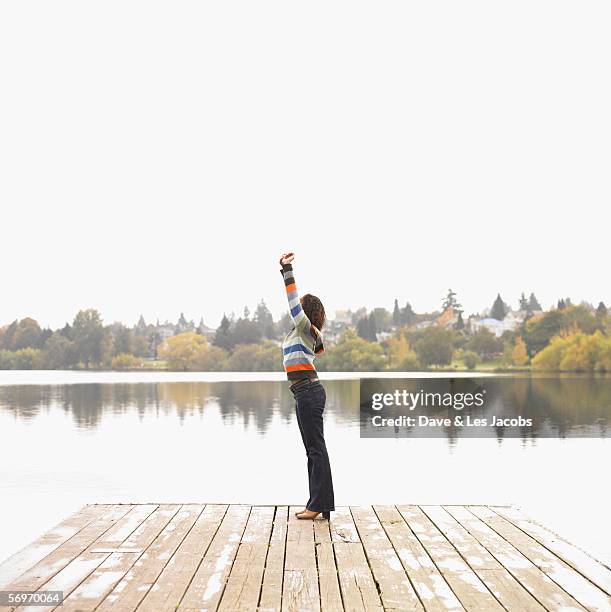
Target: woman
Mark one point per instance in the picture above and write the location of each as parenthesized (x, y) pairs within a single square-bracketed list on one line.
[(299, 349)]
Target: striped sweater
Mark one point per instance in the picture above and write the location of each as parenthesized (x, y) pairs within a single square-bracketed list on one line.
[(304, 341)]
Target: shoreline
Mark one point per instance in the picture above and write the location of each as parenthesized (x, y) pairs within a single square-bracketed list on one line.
[(70, 377)]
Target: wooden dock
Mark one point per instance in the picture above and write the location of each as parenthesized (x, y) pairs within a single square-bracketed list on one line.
[(156, 558)]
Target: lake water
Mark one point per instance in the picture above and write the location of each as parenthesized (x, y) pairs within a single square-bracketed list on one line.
[(71, 438)]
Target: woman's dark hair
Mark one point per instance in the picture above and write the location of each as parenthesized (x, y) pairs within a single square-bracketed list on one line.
[(314, 310)]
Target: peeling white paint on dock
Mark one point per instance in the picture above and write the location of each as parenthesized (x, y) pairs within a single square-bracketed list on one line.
[(229, 558)]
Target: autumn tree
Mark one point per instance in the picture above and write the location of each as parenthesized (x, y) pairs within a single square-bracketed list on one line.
[(354, 354), (485, 343), (89, 337), (539, 330), (213, 359), (519, 354), (124, 361), (59, 352), (401, 357), (576, 352), (22, 334), (435, 346), (263, 357), (183, 350)]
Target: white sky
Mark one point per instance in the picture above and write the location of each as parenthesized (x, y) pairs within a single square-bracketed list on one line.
[(159, 156)]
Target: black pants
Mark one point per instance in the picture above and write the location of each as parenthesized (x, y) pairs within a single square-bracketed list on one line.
[(309, 406)]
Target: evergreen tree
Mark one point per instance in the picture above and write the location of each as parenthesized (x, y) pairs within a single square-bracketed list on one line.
[(366, 328), (396, 315), (141, 325), (524, 305), (601, 310), (362, 327), (450, 301), (283, 325), (498, 310), (372, 325), (561, 304), (264, 320), (601, 317), (223, 335), (460, 324), (407, 314), (8, 336), (245, 331), (181, 325), (122, 339), (200, 327), (533, 303)]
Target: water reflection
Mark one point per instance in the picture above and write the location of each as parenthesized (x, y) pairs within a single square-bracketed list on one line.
[(561, 406), (62, 446), (512, 407)]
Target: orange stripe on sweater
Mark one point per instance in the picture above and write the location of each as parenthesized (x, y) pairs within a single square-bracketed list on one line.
[(295, 368), (291, 287)]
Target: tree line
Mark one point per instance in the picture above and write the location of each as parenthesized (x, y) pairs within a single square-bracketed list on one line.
[(568, 337)]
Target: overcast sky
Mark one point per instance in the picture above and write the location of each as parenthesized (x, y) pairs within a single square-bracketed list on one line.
[(157, 157)]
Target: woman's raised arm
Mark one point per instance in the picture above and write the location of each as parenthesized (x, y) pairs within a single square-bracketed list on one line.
[(297, 314)]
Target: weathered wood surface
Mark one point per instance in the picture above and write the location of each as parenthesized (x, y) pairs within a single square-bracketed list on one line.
[(168, 557)]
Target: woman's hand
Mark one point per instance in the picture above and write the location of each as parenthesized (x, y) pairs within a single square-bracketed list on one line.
[(287, 258)]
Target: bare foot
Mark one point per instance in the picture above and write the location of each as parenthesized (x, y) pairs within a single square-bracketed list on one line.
[(300, 512)]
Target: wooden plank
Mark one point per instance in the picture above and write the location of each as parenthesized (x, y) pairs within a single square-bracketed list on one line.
[(342, 526), (32, 554), (119, 533), (561, 573), (163, 558), (271, 589), (43, 571), (300, 589), (128, 577), (80, 569), (586, 565), (117, 565), (328, 583), (467, 586), (540, 586), (499, 581), (357, 585), (396, 591), (173, 581), (206, 588), (69, 577), (429, 583), (244, 583)]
